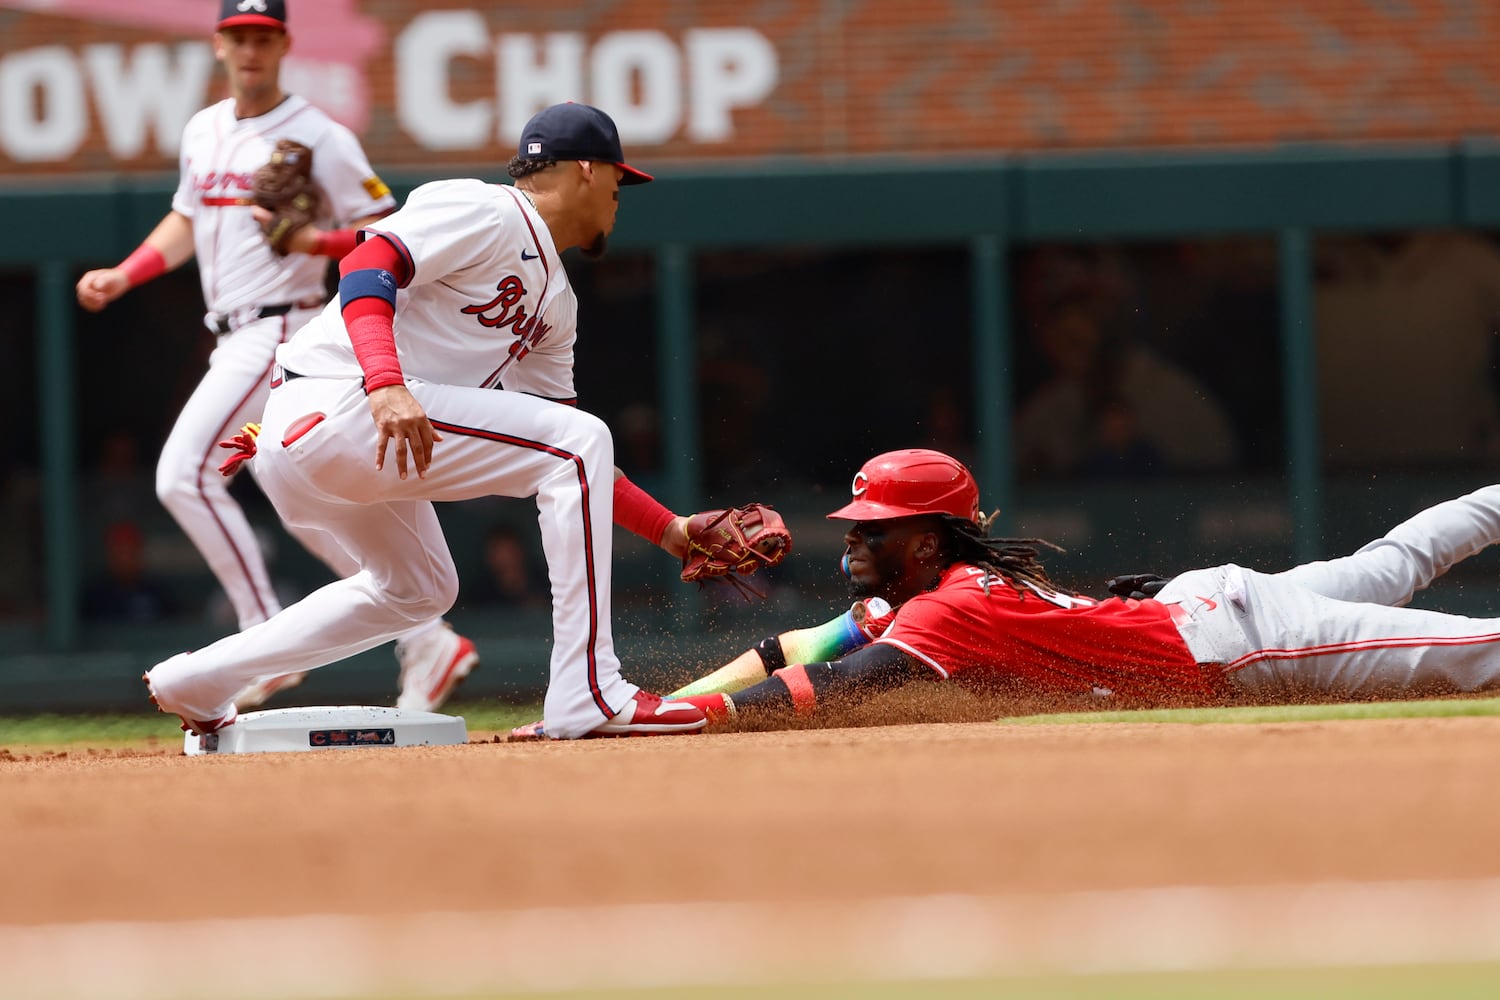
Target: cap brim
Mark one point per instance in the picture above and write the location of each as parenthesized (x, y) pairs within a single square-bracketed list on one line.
[(868, 510), (250, 20), (632, 175)]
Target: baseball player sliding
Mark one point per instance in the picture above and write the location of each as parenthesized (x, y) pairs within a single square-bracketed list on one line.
[(444, 371), (257, 292), (979, 608)]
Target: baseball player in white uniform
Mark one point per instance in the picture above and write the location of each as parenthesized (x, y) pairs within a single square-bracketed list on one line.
[(454, 329), (256, 299)]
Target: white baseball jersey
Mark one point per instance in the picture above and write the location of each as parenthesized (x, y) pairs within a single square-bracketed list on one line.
[(219, 157), (488, 303)]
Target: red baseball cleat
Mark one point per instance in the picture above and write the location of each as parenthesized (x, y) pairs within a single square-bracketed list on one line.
[(718, 707), (432, 664), (649, 715)]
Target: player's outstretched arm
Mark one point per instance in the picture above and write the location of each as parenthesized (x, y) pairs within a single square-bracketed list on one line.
[(802, 687), (168, 246), (863, 622), (713, 544), (641, 514)]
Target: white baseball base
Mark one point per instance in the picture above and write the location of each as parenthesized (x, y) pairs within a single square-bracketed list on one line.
[(328, 727)]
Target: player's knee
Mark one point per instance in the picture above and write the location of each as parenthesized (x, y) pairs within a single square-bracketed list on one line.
[(176, 487), (590, 437), (424, 598), (443, 596)]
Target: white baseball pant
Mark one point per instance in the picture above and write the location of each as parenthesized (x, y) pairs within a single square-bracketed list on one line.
[(493, 443), (1340, 627), (232, 392)]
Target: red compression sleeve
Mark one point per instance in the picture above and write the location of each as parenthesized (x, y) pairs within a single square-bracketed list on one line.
[(335, 243), (144, 263), (368, 321), (639, 512)]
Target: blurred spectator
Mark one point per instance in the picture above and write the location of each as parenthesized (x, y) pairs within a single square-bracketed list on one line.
[(510, 578), (739, 440), (125, 592), (118, 488), (21, 553), (1214, 309), (1118, 450), (637, 432), (1059, 422), (946, 428), (1098, 273), (1406, 340)]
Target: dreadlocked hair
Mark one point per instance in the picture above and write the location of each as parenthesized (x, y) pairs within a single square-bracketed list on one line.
[(519, 167), (1014, 559)]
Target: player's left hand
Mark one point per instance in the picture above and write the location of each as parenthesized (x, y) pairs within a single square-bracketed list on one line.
[(98, 288), (738, 540), (1137, 586), (303, 239), (401, 420), (283, 187)]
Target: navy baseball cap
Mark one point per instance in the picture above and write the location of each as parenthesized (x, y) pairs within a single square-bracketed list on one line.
[(576, 132), (251, 13)]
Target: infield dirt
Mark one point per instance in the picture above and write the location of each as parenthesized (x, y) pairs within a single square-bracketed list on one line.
[(835, 814)]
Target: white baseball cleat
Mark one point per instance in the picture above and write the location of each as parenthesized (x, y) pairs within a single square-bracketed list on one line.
[(260, 692), (190, 725), (432, 664)]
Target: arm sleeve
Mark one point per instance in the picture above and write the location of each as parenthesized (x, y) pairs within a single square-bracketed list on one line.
[(865, 671)]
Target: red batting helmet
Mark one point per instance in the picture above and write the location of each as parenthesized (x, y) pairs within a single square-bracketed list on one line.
[(910, 482)]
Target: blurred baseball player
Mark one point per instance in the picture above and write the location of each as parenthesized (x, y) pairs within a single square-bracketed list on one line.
[(974, 607), (256, 298), (444, 371)]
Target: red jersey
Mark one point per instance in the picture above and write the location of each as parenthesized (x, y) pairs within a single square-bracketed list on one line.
[(1049, 640)]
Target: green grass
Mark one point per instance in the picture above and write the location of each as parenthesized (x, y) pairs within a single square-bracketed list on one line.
[(1437, 708), (109, 731)]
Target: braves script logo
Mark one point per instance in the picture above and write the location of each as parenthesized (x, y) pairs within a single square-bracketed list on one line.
[(507, 308), (213, 180)]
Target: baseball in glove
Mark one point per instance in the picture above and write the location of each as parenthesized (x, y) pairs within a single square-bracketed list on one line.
[(728, 544), (283, 186)]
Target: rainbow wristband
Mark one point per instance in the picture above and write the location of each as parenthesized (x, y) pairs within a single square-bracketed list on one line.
[(822, 643)]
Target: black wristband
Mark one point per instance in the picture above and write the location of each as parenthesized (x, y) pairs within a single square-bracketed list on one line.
[(771, 653)]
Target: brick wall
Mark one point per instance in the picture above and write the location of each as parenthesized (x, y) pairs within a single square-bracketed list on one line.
[(850, 77)]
